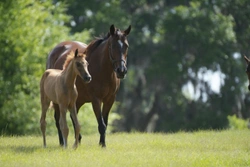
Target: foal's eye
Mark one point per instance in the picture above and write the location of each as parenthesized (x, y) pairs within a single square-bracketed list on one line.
[(78, 64)]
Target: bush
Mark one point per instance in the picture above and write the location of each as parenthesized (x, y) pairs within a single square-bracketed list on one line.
[(33, 29), (237, 123)]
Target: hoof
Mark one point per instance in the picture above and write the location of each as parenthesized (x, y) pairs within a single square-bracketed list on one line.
[(75, 146), (103, 145)]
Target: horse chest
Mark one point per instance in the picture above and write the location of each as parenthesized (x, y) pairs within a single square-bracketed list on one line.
[(107, 88)]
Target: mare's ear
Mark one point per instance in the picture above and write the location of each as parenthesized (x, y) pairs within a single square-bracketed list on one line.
[(126, 32), (247, 60), (112, 29), (76, 53)]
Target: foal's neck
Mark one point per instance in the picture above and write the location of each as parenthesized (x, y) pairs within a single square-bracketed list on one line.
[(69, 75)]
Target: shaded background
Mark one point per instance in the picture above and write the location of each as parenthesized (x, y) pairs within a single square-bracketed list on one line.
[(185, 61)]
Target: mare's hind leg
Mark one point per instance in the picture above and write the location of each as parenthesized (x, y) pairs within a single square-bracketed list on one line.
[(101, 125), (74, 118), (45, 106), (63, 125), (57, 117)]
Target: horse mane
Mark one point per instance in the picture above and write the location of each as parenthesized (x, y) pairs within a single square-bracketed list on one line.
[(95, 43), (69, 57)]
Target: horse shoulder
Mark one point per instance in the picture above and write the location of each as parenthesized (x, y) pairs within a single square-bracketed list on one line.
[(107, 87), (73, 97)]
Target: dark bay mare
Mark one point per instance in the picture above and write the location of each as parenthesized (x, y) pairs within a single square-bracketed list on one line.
[(107, 65)]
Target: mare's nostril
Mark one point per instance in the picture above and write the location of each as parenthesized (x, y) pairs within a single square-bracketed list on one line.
[(122, 70)]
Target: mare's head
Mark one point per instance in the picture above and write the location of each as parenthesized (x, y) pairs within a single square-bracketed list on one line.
[(80, 65), (248, 70), (118, 50)]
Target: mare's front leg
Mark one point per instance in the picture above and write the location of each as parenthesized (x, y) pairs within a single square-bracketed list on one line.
[(63, 124), (107, 104), (73, 115), (57, 117), (96, 104)]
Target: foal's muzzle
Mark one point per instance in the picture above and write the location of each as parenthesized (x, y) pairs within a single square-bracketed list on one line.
[(87, 78)]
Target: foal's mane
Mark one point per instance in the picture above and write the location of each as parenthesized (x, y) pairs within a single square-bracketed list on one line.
[(71, 56), (95, 43)]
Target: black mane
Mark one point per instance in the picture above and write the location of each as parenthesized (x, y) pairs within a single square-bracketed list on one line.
[(95, 43)]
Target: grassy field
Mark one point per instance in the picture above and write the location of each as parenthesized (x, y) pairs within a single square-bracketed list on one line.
[(203, 148)]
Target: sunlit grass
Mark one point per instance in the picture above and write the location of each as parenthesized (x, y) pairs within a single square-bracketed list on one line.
[(203, 148)]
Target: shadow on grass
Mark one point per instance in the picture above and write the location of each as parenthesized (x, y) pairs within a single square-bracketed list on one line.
[(25, 149), (29, 149)]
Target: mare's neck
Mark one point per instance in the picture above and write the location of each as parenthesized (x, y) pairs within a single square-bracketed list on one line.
[(107, 64), (69, 75)]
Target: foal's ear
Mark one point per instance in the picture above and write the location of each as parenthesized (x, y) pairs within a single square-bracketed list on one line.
[(126, 32), (76, 53), (112, 29), (247, 60)]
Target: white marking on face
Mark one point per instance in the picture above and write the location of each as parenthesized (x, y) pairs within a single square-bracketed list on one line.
[(120, 43)]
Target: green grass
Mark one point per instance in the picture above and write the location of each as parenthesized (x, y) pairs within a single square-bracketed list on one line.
[(203, 148)]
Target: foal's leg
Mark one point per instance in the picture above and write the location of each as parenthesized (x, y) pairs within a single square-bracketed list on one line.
[(57, 117), (77, 110), (63, 125), (74, 118), (45, 106)]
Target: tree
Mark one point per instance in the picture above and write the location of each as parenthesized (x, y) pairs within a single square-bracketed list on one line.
[(174, 44), (29, 29), (190, 40)]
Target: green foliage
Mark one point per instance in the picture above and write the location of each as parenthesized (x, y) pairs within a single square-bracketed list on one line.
[(97, 15), (20, 114), (29, 30), (237, 123), (172, 43), (191, 39)]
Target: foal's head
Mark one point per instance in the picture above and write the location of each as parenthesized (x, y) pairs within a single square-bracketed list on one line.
[(80, 65), (248, 70), (118, 50)]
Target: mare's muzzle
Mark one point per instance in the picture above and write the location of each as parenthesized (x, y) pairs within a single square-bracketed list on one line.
[(121, 70)]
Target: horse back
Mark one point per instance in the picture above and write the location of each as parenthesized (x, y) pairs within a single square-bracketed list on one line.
[(58, 55), (49, 76), (51, 85)]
